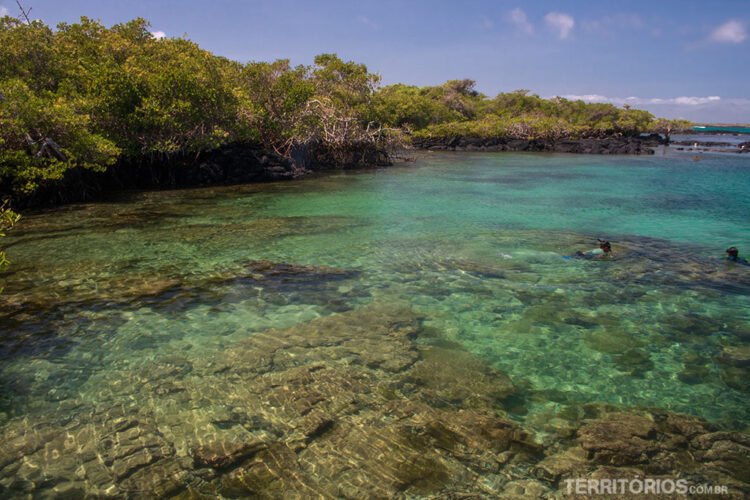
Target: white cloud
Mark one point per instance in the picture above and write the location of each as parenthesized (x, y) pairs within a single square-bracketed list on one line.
[(645, 101), (563, 23), (518, 17), (610, 24), (729, 32), (691, 101), (711, 109), (3, 11), (158, 34), (592, 98), (368, 22)]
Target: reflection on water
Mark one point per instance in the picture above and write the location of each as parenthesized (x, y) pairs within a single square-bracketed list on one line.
[(184, 341)]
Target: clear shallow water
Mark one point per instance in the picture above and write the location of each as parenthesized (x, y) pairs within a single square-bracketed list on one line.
[(474, 243)]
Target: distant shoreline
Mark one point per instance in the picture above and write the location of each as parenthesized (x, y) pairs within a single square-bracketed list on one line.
[(722, 129)]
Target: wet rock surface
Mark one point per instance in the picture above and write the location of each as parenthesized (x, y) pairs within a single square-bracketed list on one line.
[(237, 163), (230, 164), (364, 403)]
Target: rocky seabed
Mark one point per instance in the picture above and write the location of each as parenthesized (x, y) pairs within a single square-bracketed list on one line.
[(363, 403)]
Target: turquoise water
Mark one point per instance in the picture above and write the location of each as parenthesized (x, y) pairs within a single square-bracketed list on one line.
[(101, 295)]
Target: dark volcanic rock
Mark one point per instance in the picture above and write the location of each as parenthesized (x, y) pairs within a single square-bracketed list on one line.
[(234, 163), (239, 163), (608, 145), (707, 144)]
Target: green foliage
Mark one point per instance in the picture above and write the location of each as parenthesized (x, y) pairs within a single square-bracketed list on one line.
[(277, 97), (84, 96), (328, 103), (668, 127), (518, 115), (346, 84), (419, 107), (8, 219), (184, 100), (42, 135), (27, 53), (455, 109), (407, 106), (340, 107)]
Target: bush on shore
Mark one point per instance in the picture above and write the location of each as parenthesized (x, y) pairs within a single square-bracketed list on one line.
[(86, 97)]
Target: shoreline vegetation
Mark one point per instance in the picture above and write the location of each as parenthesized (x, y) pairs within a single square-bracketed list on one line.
[(8, 219), (86, 109)]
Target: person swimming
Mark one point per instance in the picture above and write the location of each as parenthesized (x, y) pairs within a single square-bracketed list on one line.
[(733, 255), (605, 249)]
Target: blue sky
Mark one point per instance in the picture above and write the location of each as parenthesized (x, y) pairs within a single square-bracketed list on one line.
[(683, 58)]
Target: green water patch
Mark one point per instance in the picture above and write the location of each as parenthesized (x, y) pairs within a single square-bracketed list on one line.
[(445, 286), (622, 331), (257, 290), (292, 408)]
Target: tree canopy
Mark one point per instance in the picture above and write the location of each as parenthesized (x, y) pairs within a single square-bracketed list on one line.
[(84, 96)]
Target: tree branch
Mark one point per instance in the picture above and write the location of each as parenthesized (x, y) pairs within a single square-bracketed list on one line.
[(24, 12)]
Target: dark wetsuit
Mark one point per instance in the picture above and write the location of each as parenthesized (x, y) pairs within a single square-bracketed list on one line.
[(738, 260)]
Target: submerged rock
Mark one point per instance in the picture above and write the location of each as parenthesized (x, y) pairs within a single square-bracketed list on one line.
[(727, 452), (346, 405), (223, 454), (636, 362), (364, 403), (612, 340), (562, 464), (734, 362), (458, 378), (735, 356), (738, 378), (645, 444), (620, 439), (265, 269)]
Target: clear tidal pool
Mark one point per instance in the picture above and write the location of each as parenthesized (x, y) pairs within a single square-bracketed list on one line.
[(473, 243)]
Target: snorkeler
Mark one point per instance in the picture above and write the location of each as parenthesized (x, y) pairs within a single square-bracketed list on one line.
[(605, 248), (733, 255)]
